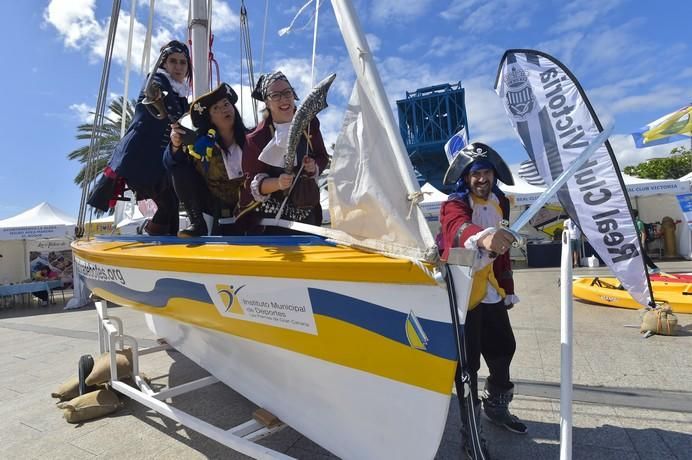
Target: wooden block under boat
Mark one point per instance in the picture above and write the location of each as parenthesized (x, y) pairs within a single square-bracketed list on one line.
[(266, 418)]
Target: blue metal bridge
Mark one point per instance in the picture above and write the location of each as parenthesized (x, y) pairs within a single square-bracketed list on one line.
[(428, 117)]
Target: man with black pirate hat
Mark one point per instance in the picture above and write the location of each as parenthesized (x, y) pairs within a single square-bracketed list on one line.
[(472, 217)]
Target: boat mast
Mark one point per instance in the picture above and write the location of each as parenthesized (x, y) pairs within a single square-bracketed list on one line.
[(199, 34), (368, 76)]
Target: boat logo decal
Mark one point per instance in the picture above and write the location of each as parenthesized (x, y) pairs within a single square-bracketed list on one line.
[(414, 332), (230, 298), (282, 306), (608, 298)]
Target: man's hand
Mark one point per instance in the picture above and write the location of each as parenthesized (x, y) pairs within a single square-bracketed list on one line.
[(498, 241)]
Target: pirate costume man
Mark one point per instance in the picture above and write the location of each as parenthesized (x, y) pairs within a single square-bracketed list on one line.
[(267, 144), (471, 218), (137, 159), (209, 173)]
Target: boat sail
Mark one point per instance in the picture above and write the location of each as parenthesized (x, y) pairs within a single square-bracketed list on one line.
[(347, 334)]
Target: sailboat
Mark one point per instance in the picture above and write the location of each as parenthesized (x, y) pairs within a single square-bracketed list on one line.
[(348, 334)]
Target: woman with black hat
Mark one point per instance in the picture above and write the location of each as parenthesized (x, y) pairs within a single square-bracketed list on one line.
[(137, 159), (208, 175), (267, 144)]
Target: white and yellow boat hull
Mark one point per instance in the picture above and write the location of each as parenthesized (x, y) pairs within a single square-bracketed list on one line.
[(354, 350)]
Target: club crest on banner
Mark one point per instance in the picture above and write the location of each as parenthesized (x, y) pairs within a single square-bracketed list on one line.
[(520, 98)]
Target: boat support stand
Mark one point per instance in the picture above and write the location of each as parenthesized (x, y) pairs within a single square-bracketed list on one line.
[(241, 438)]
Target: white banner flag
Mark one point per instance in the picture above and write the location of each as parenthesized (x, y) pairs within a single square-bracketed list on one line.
[(555, 122)]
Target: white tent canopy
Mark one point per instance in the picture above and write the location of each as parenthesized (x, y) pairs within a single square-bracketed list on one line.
[(41, 221), (655, 199), (524, 193), (41, 228)]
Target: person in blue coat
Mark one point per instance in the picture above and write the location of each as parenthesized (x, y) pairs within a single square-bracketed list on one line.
[(137, 160)]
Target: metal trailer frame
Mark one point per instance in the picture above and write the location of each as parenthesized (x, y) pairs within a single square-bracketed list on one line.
[(241, 438)]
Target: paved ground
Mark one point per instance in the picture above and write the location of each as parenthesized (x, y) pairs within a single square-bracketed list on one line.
[(632, 397)]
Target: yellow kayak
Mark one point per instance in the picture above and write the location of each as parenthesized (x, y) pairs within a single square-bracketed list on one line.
[(607, 291)]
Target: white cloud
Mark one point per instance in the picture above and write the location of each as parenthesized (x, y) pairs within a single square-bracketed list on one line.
[(685, 73), (486, 116), (74, 19), (400, 10), (467, 58), (580, 14), (628, 155), (77, 25), (564, 46), (83, 111), (488, 120), (175, 13), (632, 95), (374, 42), (485, 15)]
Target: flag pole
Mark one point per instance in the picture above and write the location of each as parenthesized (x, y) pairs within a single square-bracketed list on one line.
[(566, 355)]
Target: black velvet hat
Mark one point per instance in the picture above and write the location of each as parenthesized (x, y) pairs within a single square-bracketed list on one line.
[(199, 110)]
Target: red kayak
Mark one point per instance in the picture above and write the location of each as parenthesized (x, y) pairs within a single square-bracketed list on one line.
[(671, 278)]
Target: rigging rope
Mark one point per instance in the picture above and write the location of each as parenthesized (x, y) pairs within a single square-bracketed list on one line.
[(288, 29), (246, 50), (210, 40), (213, 64), (282, 32), (264, 35), (314, 45), (146, 52), (123, 119), (97, 127)]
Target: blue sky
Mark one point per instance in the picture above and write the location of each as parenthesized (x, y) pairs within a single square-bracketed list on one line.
[(635, 63)]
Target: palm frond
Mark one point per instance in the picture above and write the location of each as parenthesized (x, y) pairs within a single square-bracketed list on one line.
[(107, 138)]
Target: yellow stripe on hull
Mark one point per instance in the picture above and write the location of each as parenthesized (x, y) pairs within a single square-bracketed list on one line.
[(317, 262), (338, 342)]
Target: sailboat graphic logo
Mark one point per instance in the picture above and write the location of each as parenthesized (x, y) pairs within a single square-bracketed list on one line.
[(414, 332), (229, 297)]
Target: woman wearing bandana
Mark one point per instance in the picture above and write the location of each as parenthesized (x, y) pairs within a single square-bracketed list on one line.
[(208, 175), (137, 159), (269, 182), (471, 218)]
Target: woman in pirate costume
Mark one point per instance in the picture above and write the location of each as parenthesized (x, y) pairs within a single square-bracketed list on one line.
[(208, 175), (137, 159), (267, 144), (472, 218)]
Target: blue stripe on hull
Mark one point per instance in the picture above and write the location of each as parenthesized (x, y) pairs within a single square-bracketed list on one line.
[(164, 289), (366, 315), (286, 240), (383, 321)]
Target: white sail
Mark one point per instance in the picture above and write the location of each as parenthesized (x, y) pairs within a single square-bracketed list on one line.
[(367, 196), (372, 187)]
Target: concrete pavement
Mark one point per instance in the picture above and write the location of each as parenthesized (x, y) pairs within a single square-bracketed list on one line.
[(632, 395)]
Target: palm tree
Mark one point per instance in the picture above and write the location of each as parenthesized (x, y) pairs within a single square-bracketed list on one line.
[(108, 136)]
